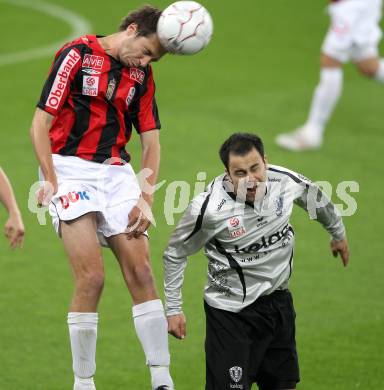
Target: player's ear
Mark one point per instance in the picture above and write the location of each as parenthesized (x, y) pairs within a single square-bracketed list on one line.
[(132, 29), (265, 159)]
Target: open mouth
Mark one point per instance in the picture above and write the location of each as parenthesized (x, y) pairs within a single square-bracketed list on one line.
[(252, 188)]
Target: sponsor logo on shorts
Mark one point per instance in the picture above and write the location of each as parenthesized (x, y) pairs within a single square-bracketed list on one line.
[(93, 62), (131, 94), (73, 197), (340, 28), (236, 373), (136, 75), (236, 227), (90, 85), (61, 79)]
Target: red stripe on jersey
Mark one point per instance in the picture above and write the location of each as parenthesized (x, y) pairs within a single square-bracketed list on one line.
[(64, 121), (146, 118)]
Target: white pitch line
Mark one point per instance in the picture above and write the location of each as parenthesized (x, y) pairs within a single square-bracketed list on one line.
[(79, 26)]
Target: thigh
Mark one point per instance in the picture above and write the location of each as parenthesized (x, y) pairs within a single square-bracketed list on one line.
[(81, 244), (280, 369), (227, 348), (370, 64)]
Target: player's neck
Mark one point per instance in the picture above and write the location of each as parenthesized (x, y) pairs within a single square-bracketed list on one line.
[(110, 43)]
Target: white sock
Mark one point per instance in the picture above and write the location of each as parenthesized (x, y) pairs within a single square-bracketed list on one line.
[(152, 329), (379, 76), (83, 334), (324, 100)]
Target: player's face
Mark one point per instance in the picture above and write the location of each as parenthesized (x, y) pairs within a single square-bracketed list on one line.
[(138, 51), (248, 174)]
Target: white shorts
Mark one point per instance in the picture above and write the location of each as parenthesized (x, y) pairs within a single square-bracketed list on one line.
[(85, 186), (354, 33)]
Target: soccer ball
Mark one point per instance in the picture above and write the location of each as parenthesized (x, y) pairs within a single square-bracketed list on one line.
[(185, 27)]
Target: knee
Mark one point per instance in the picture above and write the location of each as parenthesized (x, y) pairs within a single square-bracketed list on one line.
[(91, 281), (329, 62), (367, 70), (141, 274)]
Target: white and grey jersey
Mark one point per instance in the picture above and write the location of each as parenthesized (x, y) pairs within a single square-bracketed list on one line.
[(249, 246)]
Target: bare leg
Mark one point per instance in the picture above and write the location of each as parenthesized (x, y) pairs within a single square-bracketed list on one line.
[(148, 313), (326, 95), (84, 253), (369, 67)]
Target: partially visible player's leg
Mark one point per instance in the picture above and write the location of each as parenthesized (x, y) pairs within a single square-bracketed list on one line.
[(84, 253), (372, 67), (280, 366), (366, 53), (227, 350), (148, 313), (326, 95), (336, 50)]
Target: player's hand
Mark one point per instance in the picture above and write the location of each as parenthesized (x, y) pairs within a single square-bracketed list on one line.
[(45, 193), (341, 247), (138, 219), (14, 230), (177, 325)]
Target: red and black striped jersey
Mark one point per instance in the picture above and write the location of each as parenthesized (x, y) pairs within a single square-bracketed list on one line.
[(95, 101)]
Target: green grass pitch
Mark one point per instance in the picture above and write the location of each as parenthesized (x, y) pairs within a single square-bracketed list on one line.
[(258, 75)]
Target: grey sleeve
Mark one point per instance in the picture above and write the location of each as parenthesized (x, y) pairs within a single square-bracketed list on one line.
[(189, 236), (318, 205)]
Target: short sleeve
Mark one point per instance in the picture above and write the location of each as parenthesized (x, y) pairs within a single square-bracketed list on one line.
[(147, 116), (58, 84)]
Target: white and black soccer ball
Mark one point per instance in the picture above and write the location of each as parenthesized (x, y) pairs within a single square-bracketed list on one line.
[(185, 27)]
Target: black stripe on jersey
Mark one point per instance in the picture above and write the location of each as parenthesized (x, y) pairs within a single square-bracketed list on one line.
[(290, 264), (233, 264), (141, 89), (199, 220), (293, 177), (111, 129), (155, 113), (131, 115), (81, 109)]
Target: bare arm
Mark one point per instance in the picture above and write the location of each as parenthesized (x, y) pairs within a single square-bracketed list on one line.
[(150, 162), (41, 124), (14, 228)]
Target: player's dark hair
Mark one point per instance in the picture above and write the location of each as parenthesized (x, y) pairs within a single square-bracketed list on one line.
[(240, 144), (146, 18)]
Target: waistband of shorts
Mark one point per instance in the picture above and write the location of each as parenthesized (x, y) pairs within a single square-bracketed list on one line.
[(81, 162), (271, 297)]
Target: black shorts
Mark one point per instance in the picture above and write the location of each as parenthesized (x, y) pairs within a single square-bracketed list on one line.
[(256, 345)]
